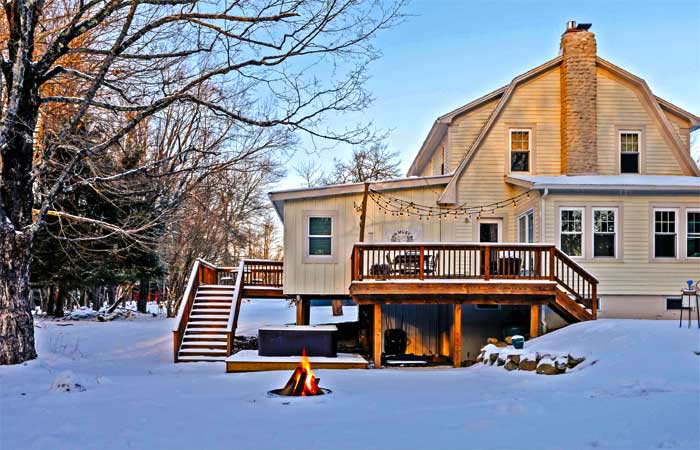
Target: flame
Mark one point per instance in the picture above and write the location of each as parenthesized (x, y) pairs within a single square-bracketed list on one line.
[(302, 374)]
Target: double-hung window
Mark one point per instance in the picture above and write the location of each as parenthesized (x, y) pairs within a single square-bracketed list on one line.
[(519, 150), (526, 227), (320, 236), (571, 231), (665, 233), (629, 151), (692, 245), (604, 232)]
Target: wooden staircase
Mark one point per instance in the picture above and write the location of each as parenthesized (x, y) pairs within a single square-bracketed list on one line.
[(208, 315), (205, 336)]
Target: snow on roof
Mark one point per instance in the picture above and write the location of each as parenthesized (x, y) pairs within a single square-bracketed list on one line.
[(607, 182)]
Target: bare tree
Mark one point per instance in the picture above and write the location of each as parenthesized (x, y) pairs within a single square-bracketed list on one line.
[(259, 64)]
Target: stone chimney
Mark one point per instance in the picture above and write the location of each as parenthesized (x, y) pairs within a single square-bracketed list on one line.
[(579, 153)]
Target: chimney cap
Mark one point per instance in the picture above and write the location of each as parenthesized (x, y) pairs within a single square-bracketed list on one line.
[(571, 25)]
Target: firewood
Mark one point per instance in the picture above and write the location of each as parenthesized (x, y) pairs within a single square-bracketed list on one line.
[(300, 385)]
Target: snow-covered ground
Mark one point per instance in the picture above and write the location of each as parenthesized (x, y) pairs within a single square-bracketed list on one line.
[(641, 392)]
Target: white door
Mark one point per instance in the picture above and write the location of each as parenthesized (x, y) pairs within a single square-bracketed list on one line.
[(490, 230)]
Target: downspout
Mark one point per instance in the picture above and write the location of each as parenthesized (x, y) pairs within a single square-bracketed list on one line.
[(543, 311), (544, 196)]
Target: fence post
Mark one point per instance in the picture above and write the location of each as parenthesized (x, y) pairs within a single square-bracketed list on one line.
[(421, 262), (551, 264), (487, 262)]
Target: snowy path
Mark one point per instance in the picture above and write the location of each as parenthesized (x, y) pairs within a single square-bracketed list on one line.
[(643, 392)]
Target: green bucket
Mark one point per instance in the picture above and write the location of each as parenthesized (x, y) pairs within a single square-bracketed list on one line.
[(518, 342)]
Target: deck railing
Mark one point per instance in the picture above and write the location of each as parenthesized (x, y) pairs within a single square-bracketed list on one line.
[(265, 273), (486, 261)]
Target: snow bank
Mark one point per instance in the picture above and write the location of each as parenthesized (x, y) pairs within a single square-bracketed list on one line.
[(66, 381)]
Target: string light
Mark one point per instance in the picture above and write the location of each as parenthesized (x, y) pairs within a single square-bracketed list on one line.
[(399, 207)]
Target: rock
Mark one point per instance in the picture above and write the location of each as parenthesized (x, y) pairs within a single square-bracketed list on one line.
[(493, 357), (573, 361), (561, 363), (468, 363), (500, 344), (493, 341), (527, 364), (548, 366), (67, 382), (511, 365), (539, 356), (514, 358), (500, 361), (509, 340)]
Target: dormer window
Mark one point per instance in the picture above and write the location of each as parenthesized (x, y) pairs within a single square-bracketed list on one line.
[(629, 151), (520, 150)]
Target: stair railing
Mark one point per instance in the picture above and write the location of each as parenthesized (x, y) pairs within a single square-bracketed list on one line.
[(183, 313), (235, 308), (576, 280)]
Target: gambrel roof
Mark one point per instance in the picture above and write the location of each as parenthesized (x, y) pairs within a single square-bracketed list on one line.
[(439, 128)]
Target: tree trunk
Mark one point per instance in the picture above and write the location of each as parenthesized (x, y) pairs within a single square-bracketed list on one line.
[(337, 307), (16, 321), (60, 302), (144, 290), (51, 301)]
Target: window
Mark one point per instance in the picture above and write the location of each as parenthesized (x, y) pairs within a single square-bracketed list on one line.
[(571, 231), (519, 150), (525, 227), (604, 232), (674, 303), (320, 236), (692, 234), (629, 151), (665, 233)]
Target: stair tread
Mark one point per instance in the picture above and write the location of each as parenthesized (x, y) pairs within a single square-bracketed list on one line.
[(197, 323), (201, 351), (214, 297), (210, 310), (196, 331), (216, 286), (194, 358), (203, 337), (208, 316), (188, 344)]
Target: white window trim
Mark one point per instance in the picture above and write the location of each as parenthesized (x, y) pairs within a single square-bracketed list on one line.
[(639, 150), (510, 150), (617, 231), (583, 230), (525, 216), (320, 259), (685, 237), (677, 233)]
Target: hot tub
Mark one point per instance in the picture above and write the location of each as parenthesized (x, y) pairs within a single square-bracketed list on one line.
[(290, 340)]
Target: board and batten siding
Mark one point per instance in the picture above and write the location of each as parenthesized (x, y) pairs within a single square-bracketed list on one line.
[(334, 278), (621, 106), (635, 273)]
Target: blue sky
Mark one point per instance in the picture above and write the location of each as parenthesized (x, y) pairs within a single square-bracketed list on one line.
[(449, 52)]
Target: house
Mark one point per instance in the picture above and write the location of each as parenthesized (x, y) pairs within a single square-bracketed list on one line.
[(574, 172)]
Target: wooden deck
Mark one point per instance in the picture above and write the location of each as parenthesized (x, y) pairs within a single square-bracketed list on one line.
[(458, 273), (249, 361)]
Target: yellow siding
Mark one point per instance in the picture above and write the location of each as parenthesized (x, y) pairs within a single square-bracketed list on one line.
[(621, 105), (436, 160), (463, 131), (535, 104), (635, 273), (334, 278), (682, 128)]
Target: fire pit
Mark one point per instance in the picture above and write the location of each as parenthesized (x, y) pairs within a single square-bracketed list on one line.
[(302, 383)]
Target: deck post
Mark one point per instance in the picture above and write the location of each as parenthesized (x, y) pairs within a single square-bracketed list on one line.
[(487, 263), (457, 335), (534, 320), (303, 310), (594, 300), (377, 335), (552, 272)]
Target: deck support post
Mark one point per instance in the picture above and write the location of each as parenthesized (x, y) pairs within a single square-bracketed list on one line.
[(534, 320), (457, 335), (377, 335), (303, 310)]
